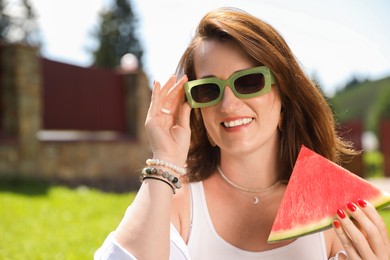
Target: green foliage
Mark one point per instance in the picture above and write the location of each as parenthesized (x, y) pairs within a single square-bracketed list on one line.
[(365, 101), (383, 105), (374, 164), (355, 81), (19, 27), (54, 222), (385, 214), (116, 35), (4, 22)]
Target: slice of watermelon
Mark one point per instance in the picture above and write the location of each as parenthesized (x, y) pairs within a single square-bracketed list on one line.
[(316, 190)]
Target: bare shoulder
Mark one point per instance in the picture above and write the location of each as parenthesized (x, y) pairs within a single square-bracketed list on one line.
[(333, 244), (180, 216)]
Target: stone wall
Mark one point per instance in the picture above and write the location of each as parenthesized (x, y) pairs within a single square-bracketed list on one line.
[(21, 110), (27, 150), (110, 165)]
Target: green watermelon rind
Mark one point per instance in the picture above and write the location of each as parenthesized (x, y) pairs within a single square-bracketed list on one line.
[(379, 202)]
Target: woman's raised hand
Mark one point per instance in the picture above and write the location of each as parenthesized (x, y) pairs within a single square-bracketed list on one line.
[(366, 236), (167, 123)]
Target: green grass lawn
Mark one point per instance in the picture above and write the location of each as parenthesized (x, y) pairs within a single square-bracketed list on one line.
[(385, 213), (54, 222)]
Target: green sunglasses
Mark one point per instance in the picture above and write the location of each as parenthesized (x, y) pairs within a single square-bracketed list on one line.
[(246, 83)]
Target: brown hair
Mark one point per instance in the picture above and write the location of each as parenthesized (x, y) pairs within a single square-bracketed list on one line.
[(306, 116)]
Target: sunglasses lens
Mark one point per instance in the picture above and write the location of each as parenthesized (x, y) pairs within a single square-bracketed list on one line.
[(249, 84), (205, 92)]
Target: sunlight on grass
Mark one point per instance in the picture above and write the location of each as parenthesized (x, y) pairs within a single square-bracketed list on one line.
[(44, 222), (60, 223)]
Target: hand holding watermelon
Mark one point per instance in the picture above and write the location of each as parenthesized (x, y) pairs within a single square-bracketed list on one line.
[(366, 237), (318, 189)]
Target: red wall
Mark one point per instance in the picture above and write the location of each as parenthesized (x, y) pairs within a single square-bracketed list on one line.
[(1, 90), (384, 137), (76, 98), (353, 131)]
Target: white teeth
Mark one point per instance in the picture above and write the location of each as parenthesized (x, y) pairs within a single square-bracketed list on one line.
[(238, 122)]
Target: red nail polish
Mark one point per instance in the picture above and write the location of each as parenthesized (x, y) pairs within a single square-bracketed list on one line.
[(341, 213), (336, 224), (362, 203), (351, 206)]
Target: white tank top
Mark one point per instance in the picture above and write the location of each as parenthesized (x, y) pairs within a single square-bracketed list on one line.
[(204, 242)]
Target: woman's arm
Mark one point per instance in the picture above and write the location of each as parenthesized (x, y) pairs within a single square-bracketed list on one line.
[(144, 230)]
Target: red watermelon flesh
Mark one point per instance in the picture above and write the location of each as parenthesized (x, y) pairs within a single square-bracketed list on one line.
[(316, 190)]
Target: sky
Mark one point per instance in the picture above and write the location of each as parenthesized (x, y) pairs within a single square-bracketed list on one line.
[(332, 39)]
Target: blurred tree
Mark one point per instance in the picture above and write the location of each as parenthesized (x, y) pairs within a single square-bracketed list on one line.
[(4, 22), (368, 102), (31, 33), (315, 78), (384, 106), (317, 82), (116, 35), (18, 23), (355, 81)]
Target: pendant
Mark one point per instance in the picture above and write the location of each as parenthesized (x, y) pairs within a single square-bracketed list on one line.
[(255, 200)]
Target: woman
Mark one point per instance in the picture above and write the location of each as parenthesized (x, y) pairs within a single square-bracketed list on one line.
[(253, 108)]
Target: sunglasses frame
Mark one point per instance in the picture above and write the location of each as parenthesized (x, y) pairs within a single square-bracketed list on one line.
[(269, 79)]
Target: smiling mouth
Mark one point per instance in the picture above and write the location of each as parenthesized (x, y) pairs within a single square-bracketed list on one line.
[(238, 122)]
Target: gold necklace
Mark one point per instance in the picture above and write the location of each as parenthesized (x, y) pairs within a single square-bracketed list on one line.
[(238, 187)]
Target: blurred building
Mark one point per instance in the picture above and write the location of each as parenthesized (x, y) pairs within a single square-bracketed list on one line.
[(362, 111), (70, 124)]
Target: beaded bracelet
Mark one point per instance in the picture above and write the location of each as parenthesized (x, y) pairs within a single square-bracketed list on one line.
[(157, 162), (148, 171), (156, 178)]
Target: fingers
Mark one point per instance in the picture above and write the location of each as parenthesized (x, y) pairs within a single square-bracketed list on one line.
[(175, 95), (364, 237), (345, 241), (353, 241), (158, 95), (184, 116), (168, 98), (370, 211), (154, 98)]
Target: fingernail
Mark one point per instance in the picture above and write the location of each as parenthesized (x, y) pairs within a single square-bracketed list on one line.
[(351, 206), (336, 224), (361, 203), (341, 213)]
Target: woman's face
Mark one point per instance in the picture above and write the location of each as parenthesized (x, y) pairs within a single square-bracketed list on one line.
[(237, 126)]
